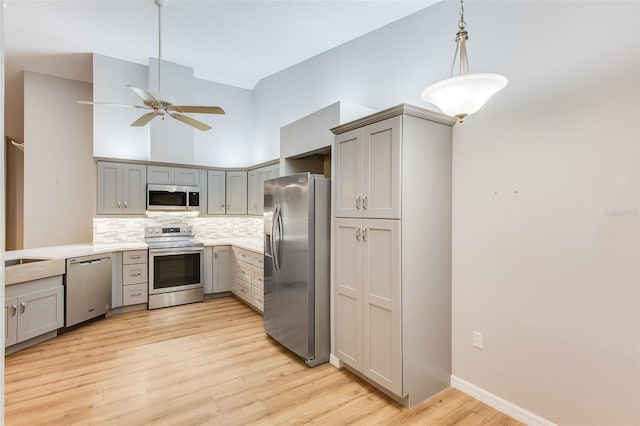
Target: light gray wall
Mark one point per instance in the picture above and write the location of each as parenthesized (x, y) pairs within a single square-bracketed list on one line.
[(545, 189), (59, 171)]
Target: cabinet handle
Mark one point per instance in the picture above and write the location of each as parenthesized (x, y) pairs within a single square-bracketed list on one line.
[(215, 254), (23, 306), (358, 234), (137, 274), (358, 202), (364, 202), (365, 234), (135, 257), (228, 206), (137, 293), (14, 310), (119, 204), (125, 204)]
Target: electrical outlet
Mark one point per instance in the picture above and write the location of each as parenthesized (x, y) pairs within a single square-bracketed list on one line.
[(477, 340)]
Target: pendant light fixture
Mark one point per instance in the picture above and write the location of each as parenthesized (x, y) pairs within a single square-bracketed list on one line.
[(465, 93)]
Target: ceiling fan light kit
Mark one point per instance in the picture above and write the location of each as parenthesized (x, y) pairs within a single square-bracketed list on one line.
[(160, 104), (464, 94)]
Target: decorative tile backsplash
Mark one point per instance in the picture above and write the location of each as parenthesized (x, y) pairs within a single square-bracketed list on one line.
[(127, 230)]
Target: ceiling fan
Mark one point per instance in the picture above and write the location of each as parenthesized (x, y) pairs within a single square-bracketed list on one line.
[(159, 104)]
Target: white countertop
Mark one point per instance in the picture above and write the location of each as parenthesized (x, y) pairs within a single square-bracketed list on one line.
[(75, 250)]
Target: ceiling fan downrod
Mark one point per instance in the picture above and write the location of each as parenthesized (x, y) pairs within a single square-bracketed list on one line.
[(160, 4)]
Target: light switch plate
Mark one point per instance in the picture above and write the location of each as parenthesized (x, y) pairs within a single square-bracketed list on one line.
[(477, 340)]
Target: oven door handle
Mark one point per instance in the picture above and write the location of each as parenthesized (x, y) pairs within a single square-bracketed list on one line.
[(175, 250)]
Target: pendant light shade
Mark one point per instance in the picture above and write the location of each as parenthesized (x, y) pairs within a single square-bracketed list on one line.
[(466, 93)]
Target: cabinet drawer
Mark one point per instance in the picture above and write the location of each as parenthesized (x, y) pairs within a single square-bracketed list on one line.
[(257, 299), (257, 278), (134, 274), (241, 289), (243, 271), (257, 259), (134, 294), (242, 254), (134, 256)]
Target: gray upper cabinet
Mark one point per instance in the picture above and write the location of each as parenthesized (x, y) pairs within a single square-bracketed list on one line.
[(121, 188), (255, 184), (253, 200), (163, 175), (237, 192), (216, 189)]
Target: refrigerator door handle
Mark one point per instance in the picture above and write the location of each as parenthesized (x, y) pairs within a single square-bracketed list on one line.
[(274, 239), (279, 241)]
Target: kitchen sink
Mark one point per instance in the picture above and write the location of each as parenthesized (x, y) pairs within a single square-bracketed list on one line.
[(29, 269)]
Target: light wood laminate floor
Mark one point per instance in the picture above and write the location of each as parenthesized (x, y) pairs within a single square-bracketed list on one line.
[(205, 363)]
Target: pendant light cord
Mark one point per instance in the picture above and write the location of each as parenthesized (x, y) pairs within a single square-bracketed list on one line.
[(461, 47)]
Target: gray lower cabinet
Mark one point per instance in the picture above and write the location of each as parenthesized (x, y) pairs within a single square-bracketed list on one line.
[(33, 308), (221, 276), (248, 277), (122, 189), (135, 282)]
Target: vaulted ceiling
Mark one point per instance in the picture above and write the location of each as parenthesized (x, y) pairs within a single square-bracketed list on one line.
[(230, 42)]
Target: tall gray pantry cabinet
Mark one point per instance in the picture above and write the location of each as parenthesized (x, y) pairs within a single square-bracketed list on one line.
[(392, 250)]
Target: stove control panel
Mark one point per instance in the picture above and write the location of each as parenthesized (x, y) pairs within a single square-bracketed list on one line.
[(168, 231)]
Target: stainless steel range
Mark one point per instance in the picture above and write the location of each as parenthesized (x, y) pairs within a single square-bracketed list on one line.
[(176, 266)]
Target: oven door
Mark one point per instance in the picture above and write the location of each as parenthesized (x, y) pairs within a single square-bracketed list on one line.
[(175, 269)]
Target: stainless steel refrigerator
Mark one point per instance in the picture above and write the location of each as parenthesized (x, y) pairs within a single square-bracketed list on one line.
[(296, 264)]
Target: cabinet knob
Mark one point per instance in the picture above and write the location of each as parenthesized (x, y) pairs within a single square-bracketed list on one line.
[(14, 310), (23, 306), (119, 204), (125, 204)]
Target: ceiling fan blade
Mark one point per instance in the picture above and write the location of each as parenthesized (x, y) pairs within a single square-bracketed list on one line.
[(144, 94), (197, 109), (191, 122), (145, 119), (111, 104)]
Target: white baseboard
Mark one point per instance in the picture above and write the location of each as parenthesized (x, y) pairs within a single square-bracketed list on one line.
[(333, 360), (500, 404)]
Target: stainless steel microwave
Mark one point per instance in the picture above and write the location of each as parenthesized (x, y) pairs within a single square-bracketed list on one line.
[(173, 197)]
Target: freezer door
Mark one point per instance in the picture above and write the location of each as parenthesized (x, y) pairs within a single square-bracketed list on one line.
[(270, 315), (293, 253)]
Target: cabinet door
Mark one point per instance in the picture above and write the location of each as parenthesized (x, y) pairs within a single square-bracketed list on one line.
[(236, 192), (382, 330), (188, 177), (221, 269), (264, 173), (216, 201), (347, 252), (253, 200), (204, 196), (348, 174), (381, 169), (276, 170), (160, 175), (109, 188), (10, 321), (40, 312), (134, 192)]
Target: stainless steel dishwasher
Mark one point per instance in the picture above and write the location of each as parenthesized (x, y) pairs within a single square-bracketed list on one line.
[(87, 288)]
